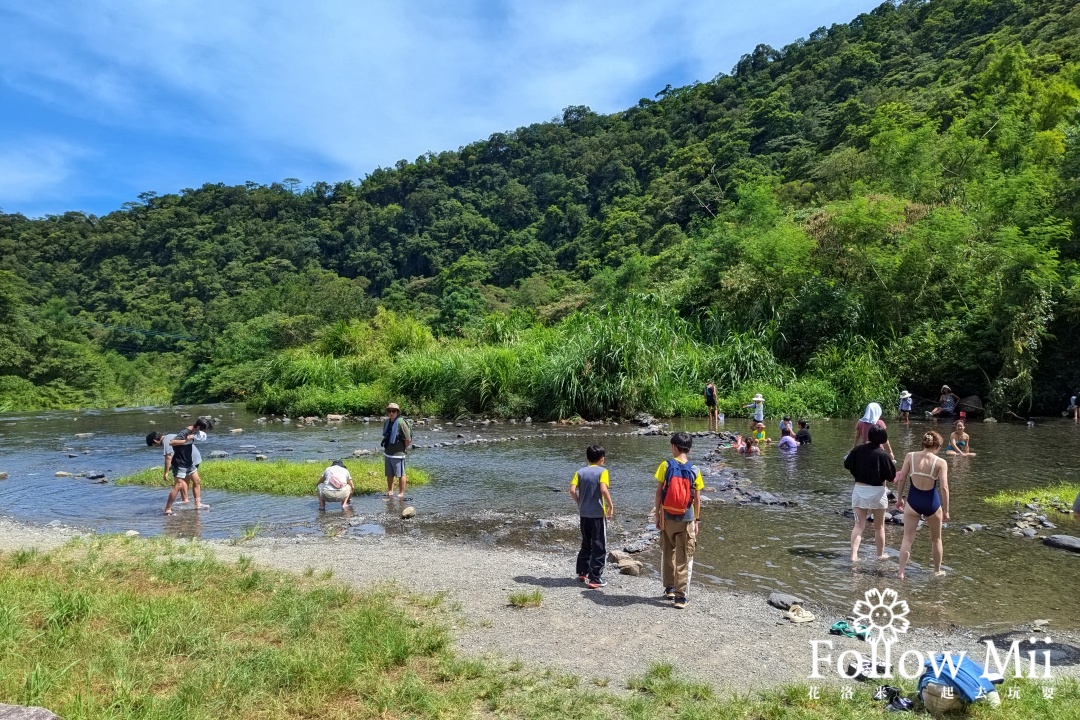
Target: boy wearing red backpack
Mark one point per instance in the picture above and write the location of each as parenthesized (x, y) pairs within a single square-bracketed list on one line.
[(678, 510)]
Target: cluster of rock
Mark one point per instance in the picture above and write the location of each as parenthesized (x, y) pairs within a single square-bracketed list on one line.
[(1030, 522)]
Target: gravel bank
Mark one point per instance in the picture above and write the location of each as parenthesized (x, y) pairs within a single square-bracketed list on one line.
[(732, 640)]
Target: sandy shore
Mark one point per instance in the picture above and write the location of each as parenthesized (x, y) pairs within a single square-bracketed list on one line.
[(734, 641)]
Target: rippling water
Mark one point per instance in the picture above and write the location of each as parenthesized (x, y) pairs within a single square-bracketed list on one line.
[(993, 578)]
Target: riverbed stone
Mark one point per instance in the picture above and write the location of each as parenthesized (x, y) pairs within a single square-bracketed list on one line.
[(409, 512), (3, 476), (63, 473), (360, 453), (784, 601), (261, 457), (95, 475), (334, 418), (236, 431), (132, 533), (21, 712), (219, 454), (1063, 542), (630, 567)]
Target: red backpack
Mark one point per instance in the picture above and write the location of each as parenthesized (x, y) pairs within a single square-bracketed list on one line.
[(678, 486)]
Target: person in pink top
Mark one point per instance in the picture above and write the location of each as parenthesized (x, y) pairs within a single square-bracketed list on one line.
[(871, 417)]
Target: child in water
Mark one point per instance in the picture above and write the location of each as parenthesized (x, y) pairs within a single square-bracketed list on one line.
[(786, 423), (787, 440), (759, 433), (959, 442), (749, 447), (905, 406)]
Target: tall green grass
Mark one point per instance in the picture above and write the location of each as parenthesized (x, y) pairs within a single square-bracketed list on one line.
[(639, 356), (277, 477)]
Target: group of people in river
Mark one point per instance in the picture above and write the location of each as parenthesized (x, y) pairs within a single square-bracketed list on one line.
[(921, 484), (182, 460)]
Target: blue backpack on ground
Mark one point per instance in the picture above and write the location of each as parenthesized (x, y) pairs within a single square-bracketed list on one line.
[(678, 487), (968, 679)]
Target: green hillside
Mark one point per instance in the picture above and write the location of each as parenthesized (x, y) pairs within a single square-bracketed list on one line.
[(891, 202)]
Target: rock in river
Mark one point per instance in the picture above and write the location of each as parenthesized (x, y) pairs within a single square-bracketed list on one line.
[(1065, 542), (219, 454), (409, 512), (95, 475), (62, 473), (3, 476)]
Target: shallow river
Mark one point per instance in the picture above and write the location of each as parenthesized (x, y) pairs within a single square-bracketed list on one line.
[(497, 492)]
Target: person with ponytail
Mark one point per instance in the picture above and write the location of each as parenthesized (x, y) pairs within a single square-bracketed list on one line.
[(927, 498)]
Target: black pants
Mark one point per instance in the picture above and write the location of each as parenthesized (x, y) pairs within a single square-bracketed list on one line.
[(592, 556)]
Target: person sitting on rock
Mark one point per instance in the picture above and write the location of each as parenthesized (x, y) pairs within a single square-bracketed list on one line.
[(947, 402)]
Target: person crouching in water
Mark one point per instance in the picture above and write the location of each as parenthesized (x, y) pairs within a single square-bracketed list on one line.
[(590, 491), (871, 467)]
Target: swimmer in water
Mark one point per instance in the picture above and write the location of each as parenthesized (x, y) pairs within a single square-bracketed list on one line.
[(748, 447), (787, 440), (959, 442), (928, 498)]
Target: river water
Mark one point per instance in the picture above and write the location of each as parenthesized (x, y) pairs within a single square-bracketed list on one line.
[(497, 492)]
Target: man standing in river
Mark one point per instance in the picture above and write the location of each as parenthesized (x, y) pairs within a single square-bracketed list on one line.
[(396, 439)]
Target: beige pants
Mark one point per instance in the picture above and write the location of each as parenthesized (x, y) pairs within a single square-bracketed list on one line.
[(677, 543)]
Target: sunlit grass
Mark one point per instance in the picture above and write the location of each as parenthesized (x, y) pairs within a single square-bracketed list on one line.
[(278, 477), (1052, 497), (137, 629)]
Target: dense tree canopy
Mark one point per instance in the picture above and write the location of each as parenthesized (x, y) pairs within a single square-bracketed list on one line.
[(894, 200)]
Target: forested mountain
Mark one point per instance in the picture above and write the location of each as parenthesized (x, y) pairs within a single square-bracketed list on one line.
[(894, 201)]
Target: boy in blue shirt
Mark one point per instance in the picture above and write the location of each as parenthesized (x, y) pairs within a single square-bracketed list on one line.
[(590, 491)]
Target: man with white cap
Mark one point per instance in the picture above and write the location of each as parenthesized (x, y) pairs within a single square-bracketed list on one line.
[(905, 406), (396, 439)]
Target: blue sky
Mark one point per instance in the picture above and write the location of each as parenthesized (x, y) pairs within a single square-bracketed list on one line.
[(100, 101)]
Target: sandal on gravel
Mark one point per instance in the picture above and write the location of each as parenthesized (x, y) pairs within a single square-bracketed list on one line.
[(843, 627), (796, 614)]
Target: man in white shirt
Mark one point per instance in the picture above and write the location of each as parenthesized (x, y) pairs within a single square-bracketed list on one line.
[(335, 485)]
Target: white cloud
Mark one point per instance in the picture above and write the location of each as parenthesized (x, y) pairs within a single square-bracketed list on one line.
[(34, 168), (355, 85)]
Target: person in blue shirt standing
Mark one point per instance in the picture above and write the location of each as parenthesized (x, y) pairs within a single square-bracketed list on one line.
[(758, 403)]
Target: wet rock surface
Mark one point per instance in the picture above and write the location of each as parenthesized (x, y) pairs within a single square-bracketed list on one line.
[(1064, 542)]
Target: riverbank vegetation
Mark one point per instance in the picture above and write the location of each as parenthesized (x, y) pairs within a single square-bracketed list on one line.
[(1058, 497), (275, 477), (141, 629), (891, 202)]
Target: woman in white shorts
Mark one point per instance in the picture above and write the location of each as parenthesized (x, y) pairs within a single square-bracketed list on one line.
[(871, 467)]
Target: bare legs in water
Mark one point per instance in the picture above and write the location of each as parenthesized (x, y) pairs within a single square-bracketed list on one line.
[(861, 515), (911, 525)]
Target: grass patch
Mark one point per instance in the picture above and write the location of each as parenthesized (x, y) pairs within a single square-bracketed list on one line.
[(1059, 497), (151, 629), (526, 599), (277, 477)]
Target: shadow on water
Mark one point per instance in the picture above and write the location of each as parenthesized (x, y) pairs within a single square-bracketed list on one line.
[(507, 487)]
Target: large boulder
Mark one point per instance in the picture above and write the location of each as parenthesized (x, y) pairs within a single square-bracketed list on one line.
[(1064, 542)]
